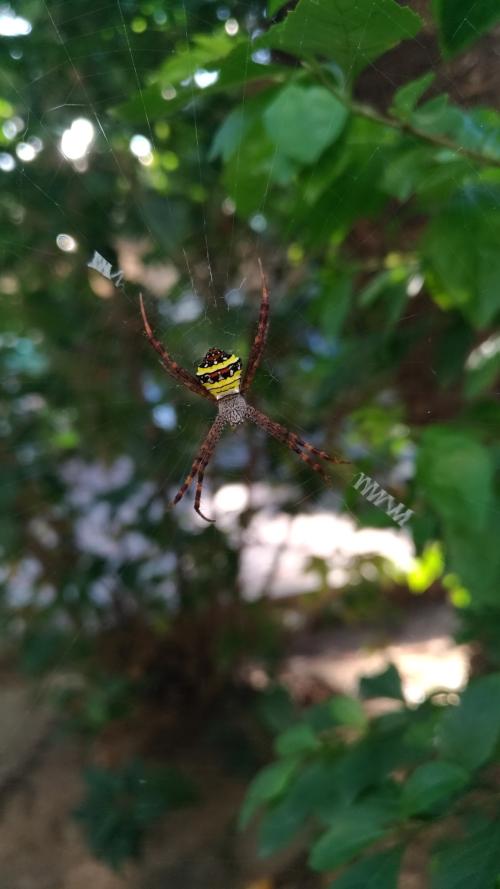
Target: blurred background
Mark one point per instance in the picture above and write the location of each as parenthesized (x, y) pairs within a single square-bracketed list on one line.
[(304, 694)]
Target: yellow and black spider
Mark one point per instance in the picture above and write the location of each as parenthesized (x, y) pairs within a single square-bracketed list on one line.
[(219, 378)]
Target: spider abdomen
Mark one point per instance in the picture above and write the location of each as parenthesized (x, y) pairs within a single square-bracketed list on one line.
[(233, 409), (220, 373)]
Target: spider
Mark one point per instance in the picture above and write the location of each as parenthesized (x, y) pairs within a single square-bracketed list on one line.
[(219, 378)]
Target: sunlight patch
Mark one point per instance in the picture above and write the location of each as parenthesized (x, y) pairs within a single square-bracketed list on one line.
[(76, 140), (12, 25), (25, 152), (203, 78), (7, 162), (66, 243)]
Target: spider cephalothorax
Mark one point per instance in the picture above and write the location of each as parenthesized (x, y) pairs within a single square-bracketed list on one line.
[(219, 378), (220, 373)]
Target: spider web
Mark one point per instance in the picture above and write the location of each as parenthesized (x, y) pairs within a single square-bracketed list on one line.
[(178, 459), (85, 102), (79, 97)]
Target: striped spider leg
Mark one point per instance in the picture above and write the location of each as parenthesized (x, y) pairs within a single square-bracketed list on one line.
[(290, 439), (200, 463), (259, 342), (171, 366), (298, 445)]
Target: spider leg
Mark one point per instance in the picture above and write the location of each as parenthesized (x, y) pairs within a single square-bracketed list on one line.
[(197, 498), (318, 452), (292, 441), (201, 475), (201, 460), (171, 366), (260, 336)]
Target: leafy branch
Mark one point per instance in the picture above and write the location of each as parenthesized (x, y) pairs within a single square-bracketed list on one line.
[(395, 123)]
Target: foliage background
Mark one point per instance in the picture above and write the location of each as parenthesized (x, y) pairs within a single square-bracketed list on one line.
[(355, 149)]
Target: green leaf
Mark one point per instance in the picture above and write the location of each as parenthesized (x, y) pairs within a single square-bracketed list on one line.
[(336, 194), (427, 568), (386, 684), (379, 871), (474, 555), (313, 789), (365, 764), (230, 138), (461, 22), (296, 740), (309, 793), (229, 135), (419, 168), (266, 786), (407, 97), (279, 826), (483, 370), (348, 711), (355, 828), (431, 784), (460, 250), (320, 716), (476, 130), (235, 69), (300, 110), (455, 472), (203, 51), (471, 863), (273, 6), (420, 735), (470, 732), (264, 165), (350, 35)]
